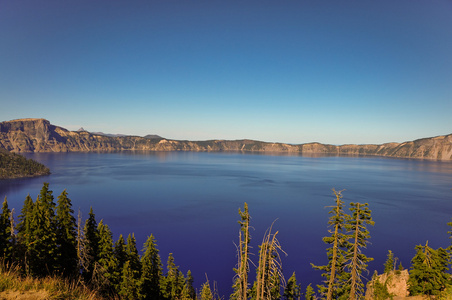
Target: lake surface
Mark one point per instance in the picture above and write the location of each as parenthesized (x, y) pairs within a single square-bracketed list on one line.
[(190, 202)]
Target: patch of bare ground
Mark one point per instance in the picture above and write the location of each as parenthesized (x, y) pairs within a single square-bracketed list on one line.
[(24, 295)]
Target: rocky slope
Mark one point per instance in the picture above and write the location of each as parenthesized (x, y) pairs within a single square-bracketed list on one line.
[(395, 282), (38, 135)]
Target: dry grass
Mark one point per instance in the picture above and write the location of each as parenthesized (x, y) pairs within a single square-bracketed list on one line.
[(15, 286)]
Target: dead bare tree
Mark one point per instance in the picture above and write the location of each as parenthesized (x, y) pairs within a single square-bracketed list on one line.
[(243, 250), (269, 272)]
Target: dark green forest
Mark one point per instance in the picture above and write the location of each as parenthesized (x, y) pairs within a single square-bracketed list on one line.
[(48, 239), (14, 165)]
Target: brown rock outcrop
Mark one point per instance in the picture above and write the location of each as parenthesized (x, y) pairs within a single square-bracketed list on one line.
[(38, 135), (396, 283)]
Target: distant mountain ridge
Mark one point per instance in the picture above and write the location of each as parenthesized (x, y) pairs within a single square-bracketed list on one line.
[(38, 135)]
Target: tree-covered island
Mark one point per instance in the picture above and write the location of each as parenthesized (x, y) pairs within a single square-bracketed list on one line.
[(14, 165)]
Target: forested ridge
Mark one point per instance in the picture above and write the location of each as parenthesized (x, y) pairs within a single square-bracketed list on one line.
[(46, 238), (14, 165)]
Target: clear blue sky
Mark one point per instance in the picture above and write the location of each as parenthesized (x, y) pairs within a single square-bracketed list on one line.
[(293, 71)]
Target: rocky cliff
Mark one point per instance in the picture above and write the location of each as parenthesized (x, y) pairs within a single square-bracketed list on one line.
[(38, 135), (393, 284)]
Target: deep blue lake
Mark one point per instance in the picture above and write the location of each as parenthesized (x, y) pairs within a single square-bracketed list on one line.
[(190, 202)]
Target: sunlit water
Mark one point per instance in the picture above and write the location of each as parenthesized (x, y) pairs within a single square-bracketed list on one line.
[(190, 202)]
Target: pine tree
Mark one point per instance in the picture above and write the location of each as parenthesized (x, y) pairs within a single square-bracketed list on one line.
[(189, 286), (173, 283), (206, 292), (356, 227), (24, 233), (5, 232), (23, 227), (121, 258), (129, 288), (292, 290), (91, 243), (240, 286), (66, 236), (106, 260), (43, 238), (133, 257), (428, 271), (389, 264), (336, 278), (309, 294), (151, 275)]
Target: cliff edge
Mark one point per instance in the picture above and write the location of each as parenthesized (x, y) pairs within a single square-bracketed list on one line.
[(38, 135)]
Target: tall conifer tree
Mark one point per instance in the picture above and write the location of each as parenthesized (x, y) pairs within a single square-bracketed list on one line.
[(309, 294), (189, 286), (336, 278), (174, 280), (133, 257), (66, 235), (428, 274), (24, 233), (357, 261), (106, 260), (151, 270), (129, 288), (43, 248), (389, 263), (292, 290), (23, 226), (5, 232), (91, 243), (206, 291), (121, 258)]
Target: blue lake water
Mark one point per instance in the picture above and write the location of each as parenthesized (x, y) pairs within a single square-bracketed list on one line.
[(190, 202)]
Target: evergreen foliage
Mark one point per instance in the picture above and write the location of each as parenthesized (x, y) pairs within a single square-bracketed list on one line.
[(133, 257), (151, 271), (292, 290), (206, 292), (191, 292), (428, 271), (309, 294), (5, 233), (14, 165), (357, 261), (389, 264), (174, 281), (66, 236), (49, 242), (129, 287), (336, 284), (380, 290), (24, 234), (120, 254), (23, 227), (91, 243), (42, 249), (106, 274)]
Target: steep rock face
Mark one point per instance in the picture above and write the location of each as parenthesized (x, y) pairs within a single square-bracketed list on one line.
[(396, 283), (38, 135)]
